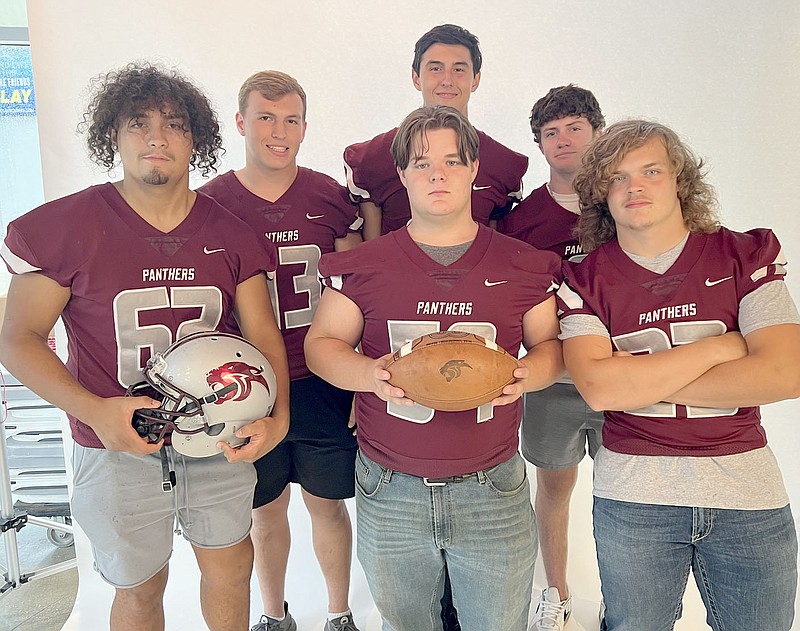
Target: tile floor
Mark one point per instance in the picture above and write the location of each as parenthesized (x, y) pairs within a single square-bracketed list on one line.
[(42, 604)]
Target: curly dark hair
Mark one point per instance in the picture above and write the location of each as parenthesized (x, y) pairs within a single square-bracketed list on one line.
[(697, 198), (139, 87), (566, 100)]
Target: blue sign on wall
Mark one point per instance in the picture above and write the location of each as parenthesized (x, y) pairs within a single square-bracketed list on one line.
[(17, 97)]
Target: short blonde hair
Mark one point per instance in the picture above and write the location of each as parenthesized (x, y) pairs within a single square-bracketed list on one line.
[(272, 85)]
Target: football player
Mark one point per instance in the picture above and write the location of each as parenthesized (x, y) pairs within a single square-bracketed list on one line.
[(306, 214), (131, 266), (446, 69), (557, 425), (679, 329), (439, 490)]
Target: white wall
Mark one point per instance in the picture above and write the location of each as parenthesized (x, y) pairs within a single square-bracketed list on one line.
[(722, 73)]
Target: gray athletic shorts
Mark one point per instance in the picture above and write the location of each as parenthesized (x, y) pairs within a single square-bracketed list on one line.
[(558, 426), (129, 520)]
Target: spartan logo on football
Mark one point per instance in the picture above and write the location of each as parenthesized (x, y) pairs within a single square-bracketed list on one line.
[(452, 369), (235, 373)]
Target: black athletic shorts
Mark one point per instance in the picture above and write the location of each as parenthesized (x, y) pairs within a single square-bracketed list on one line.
[(319, 452)]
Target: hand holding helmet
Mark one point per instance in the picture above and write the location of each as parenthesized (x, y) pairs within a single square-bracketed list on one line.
[(110, 420)]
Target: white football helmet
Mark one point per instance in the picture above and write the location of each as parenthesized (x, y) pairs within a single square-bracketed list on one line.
[(210, 384)]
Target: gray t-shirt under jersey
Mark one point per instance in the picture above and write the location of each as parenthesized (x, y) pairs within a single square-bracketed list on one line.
[(746, 481)]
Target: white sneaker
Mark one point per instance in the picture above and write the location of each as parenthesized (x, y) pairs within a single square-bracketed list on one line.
[(551, 613)]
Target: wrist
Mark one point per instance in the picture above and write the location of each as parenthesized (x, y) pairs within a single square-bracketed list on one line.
[(87, 408)]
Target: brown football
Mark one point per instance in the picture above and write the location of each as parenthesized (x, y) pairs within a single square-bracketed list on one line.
[(451, 370)]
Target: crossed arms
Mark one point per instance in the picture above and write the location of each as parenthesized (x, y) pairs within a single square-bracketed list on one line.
[(724, 371)]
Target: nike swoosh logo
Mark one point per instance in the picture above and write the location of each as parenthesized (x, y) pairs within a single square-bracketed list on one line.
[(314, 216), (207, 251), (490, 283), (711, 283), (475, 187)]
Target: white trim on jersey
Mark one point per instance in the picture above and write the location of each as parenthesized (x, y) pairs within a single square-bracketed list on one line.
[(17, 264), (570, 298), (356, 225), (761, 272), (336, 282), (516, 195), (779, 263), (355, 190)]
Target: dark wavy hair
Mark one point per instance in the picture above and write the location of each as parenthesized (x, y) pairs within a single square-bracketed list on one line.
[(139, 87), (566, 100), (452, 35), (411, 136), (697, 198)]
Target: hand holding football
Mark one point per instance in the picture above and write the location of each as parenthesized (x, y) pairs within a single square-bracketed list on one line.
[(451, 370)]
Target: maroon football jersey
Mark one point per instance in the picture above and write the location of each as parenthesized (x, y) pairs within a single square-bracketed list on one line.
[(403, 294), (372, 177), (303, 224), (647, 312), (542, 222), (134, 288)]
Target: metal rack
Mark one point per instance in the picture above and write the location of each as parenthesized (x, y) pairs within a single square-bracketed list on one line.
[(31, 430)]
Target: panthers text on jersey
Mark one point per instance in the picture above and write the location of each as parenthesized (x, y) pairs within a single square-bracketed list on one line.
[(402, 294), (543, 223), (303, 225), (134, 289), (645, 312), (372, 177)]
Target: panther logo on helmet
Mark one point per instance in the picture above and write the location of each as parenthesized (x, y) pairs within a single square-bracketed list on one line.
[(243, 375)]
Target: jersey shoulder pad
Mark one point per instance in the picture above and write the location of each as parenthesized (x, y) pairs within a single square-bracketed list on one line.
[(519, 219), (359, 259), (223, 189), (56, 237), (330, 193), (758, 253), (529, 257), (254, 249), (368, 165), (496, 156), (371, 154)]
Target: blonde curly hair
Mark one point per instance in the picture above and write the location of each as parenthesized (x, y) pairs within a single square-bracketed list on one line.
[(697, 198)]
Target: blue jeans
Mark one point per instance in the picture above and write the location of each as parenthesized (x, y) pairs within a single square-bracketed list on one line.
[(482, 528), (744, 563)]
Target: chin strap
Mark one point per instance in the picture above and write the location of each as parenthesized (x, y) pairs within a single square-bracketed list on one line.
[(218, 394), (167, 475)]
